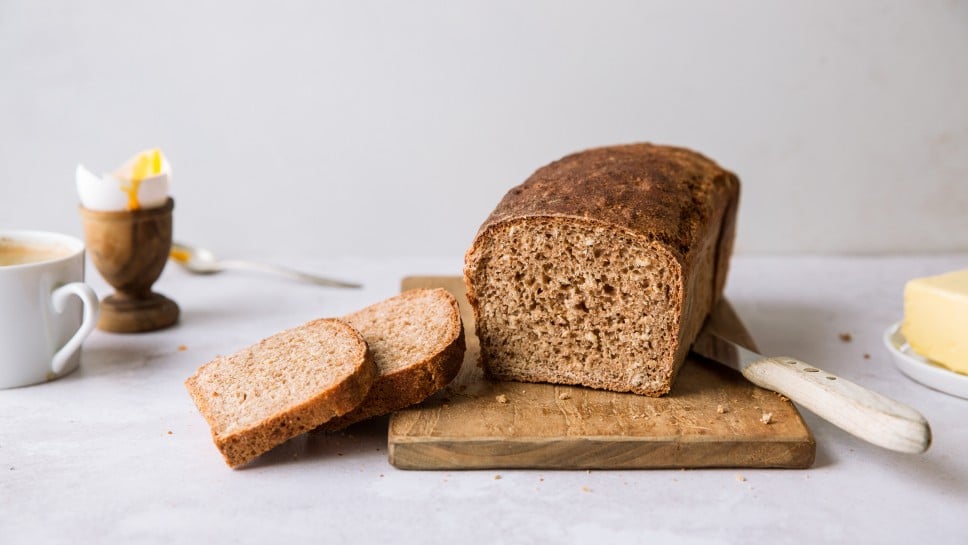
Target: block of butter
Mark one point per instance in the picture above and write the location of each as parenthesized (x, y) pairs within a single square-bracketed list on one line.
[(936, 318)]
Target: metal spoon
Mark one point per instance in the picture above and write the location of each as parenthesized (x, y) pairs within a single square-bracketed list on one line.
[(202, 261)]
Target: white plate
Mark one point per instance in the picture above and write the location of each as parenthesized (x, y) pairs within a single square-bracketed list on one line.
[(922, 369)]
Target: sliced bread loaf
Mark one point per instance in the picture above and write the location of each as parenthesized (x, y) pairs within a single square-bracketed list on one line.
[(417, 341), (285, 385), (600, 268)]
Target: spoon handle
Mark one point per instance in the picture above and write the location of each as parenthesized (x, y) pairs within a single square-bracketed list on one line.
[(291, 273)]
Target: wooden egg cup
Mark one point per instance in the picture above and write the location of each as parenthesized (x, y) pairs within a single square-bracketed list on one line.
[(130, 249)]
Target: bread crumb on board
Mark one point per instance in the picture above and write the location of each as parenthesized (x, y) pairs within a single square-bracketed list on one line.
[(586, 489), (846, 337), (766, 418), (497, 477), (501, 398), (740, 478), (867, 356)]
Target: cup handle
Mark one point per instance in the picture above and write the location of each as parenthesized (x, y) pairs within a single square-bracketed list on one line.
[(89, 298)]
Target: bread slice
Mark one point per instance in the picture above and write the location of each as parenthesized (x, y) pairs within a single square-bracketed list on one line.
[(285, 385), (417, 341), (600, 268)]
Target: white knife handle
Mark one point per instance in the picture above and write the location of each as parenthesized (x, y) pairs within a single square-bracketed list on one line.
[(855, 409)]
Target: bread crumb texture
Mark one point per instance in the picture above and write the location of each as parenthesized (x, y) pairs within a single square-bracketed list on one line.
[(408, 328), (572, 302)]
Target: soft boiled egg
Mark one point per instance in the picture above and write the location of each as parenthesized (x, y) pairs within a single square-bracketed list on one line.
[(141, 182)]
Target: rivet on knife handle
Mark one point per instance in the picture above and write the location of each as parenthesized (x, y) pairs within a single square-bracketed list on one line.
[(857, 410)]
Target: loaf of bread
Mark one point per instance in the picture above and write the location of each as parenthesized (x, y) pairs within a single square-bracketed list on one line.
[(285, 385), (601, 267), (417, 342)]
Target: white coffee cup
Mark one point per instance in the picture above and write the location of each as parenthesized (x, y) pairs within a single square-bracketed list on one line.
[(41, 325)]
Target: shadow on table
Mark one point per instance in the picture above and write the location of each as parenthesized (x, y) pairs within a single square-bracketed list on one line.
[(100, 360), (364, 438), (784, 327), (934, 469)]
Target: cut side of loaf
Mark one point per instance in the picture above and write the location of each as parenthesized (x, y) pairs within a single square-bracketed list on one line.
[(417, 342), (287, 384), (600, 269)]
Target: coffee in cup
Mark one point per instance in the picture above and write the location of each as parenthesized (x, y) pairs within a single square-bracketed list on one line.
[(15, 252)]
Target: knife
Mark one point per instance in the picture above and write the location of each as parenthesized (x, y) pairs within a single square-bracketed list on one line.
[(855, 409)]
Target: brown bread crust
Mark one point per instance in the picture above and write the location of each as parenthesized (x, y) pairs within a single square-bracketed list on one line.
[(415, 382), (673, 196)]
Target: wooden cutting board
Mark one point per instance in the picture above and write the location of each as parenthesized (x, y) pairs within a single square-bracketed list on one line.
[(712, 418)]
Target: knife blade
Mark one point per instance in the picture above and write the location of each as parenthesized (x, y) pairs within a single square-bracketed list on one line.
[(853, 408)]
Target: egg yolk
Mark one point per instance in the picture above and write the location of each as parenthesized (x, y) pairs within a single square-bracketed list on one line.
[(146, 164), (180, 256)]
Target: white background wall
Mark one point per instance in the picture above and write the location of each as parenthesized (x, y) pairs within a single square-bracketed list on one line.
[(393, 128)]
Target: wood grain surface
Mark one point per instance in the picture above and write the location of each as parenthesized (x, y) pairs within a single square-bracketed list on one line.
[(130, 249), (712, 418)]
